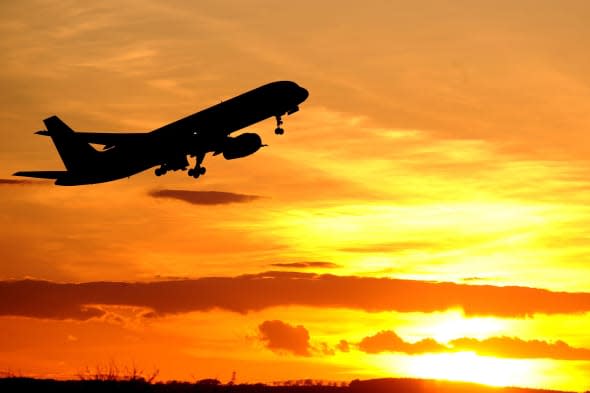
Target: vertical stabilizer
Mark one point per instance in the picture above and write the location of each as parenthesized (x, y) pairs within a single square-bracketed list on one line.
[(75, 153)]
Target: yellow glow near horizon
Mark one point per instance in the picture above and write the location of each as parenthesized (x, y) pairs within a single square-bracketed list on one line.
[(455, 325), (374, 224), (369, 236), (470, 367)]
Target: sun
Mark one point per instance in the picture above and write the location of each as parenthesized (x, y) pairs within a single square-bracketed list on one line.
[(454, 324), (470, 367)]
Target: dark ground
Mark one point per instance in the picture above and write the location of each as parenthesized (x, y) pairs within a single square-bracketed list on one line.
[(387, 385)]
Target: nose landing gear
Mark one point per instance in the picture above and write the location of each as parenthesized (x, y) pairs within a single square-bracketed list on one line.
[(279, 130)]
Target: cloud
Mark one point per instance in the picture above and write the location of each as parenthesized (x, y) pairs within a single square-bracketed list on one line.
[(204, 197), (247, 293), (282, 337), (6, 182), (343, 346), (392, 247), (507, 347), (303, 265), (513, 347), (388, 341), (325, 349), (40, 299)]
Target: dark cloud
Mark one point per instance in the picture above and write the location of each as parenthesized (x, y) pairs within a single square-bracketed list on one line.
[(507, 347), (7, 182), (281, 337), (41, 299), (273, 289), (303, 265), (388, 341), (204, 197)]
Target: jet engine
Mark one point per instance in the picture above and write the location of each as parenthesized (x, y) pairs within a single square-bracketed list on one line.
[(241, 146)]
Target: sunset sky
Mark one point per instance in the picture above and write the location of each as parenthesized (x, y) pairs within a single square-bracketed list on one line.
[(425, 214)]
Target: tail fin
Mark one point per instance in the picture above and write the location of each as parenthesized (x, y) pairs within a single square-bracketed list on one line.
[(74, 152)]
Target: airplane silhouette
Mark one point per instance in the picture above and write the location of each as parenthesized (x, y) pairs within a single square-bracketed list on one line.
[(125, 154)]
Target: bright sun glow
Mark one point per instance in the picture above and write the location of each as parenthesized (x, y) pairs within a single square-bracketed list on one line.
[(455, 325), (469, 367)]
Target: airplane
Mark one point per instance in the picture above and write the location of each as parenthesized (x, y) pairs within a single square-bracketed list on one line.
[(126, 154)]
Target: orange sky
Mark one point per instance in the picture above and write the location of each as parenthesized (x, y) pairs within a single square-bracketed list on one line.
[(425, 213)]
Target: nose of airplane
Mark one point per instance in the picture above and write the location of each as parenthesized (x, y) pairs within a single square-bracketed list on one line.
[(303, 94)]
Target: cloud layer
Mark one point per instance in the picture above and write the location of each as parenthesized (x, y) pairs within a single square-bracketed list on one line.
[(247, 293)]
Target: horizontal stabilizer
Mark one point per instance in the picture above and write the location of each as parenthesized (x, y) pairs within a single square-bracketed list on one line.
[(41, 174)]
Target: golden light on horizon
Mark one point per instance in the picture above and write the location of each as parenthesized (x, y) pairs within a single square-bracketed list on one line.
[(470, 367)]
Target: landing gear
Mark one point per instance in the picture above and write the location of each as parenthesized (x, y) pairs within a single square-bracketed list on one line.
[(160, 171), (175, 163), (198, 170), (279, 130)]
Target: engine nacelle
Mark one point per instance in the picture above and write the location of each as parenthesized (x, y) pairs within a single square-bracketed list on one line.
[(241, 146)]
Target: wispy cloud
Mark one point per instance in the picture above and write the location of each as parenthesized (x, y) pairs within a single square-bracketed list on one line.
[(305, 265), (393, 247)]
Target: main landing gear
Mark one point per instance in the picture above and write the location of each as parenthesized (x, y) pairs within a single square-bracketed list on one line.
[(198, 170), (279, 130), (177, 163), (160, 171)]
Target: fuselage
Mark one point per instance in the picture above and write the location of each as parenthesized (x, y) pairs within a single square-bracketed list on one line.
[(196, 134), (273, 99)]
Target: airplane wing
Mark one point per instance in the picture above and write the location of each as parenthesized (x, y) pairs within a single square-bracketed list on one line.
[(40, 174), (110, 139)]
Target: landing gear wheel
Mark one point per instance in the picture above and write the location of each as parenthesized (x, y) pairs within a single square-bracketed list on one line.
[(160, 171), (197, 172)]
